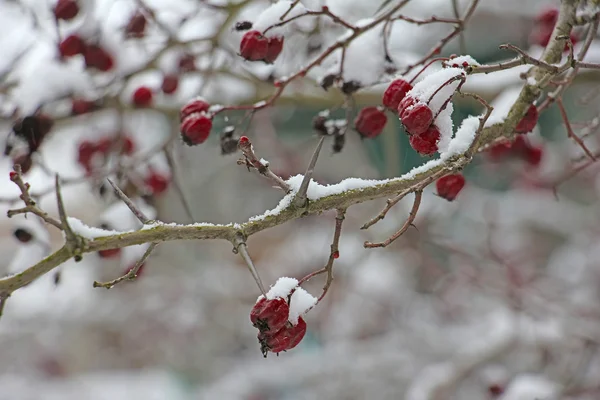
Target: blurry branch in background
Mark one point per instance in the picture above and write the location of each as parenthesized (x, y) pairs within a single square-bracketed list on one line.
[(131, 274)]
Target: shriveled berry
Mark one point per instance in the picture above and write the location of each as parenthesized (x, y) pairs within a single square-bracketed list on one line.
[(80, 106), (22, 235), (157, 183), (286, 338), (529, 121), (270, 315), (243, 25), (66, 9), (33, 129), (187, 63), (450, 186), (197, 105), (96, 57), (142, 97), (254, 46), (394, 94), (169, 84), (274, 48), (136, 25), (426, 142), (195, 129), (370, 122), (109, 253), (417, 119), (71, 46)]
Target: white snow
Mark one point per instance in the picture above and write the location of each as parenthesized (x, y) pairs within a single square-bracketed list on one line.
[(446, 127), (425, 89), (460, 60), (530, 387), (272, 15), (300, 303), (531, 81), (281, 289), (90, 232), (502, 105), (463, 138)]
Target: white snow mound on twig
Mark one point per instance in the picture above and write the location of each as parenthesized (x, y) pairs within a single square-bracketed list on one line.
[(300, 302)]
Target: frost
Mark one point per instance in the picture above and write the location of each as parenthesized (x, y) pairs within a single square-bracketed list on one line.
[(463, 138), (427, 88), (300, 302), (90, 232), (272, 15), (281, 288)]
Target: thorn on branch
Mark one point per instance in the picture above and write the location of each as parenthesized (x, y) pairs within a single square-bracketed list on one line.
[(407, 224), (130, 204), (131, 274), (301, 197), (239, 247), (74, 243), (3, 299), (178, 185)]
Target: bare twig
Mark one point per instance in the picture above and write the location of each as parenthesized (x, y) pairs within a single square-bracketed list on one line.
[(178, 185), (570, 133), (251, 160), (389, 204), (463, 43), (301, 197), (130, 204), (239, 247), (73, 241), (407, 224), (333, 255), (131, 274)]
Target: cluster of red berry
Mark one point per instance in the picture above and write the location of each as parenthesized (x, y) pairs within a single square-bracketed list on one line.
[(195, 122), (89, 151), (276, 332), (519, 148), (94, 55), (255, 46), (544, 27)]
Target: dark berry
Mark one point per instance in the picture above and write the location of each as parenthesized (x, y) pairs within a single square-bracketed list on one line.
[(71, 46), (394, 94), (243, 25), (136, 25), (24, 161), (80, 106), (449, 186), (270, 315), (254, 46), (22, 235), (97, 57), (66, 9), (370, 122), (195, 129), (169, 84)]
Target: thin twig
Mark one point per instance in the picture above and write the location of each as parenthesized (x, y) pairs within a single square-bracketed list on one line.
[(130, 204), (132, 273), (250, 160), (463, 43), (389, 204), (301, 197), (178, 185), (3, 300), (240, 247), (570, 133), (407, 224), (73, 242)]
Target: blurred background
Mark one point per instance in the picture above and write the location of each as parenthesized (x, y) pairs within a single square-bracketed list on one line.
[(493, 296)]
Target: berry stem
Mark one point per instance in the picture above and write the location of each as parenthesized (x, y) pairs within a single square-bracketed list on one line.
[(433, 60)]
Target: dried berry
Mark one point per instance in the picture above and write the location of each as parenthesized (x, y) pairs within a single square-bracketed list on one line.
[(22, 235), (96, 57), (169, 84), (195, 129), (350, 87), (71, 46), (136, 26), (529, 121), (66, 9), (286, 338), (426, 142), (197, 105), (33, 129), (254, 46), (270, 315), (370, 122), (394, 94), (142, 97), (243, 25), (274, 49), (449, 186), (229, 143), (417, 119)]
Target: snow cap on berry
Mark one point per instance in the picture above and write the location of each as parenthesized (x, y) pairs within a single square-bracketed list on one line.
[(300, 303), (282, 288), (434, 91)]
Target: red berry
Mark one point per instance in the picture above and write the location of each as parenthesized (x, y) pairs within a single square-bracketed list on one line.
[(66, 9), (170, 84), (529, 121), (23, 235), (97, 57), (548, 17), (270, 315), (187, 63), (499, 151), (244, 140), (194, 106), (142, 97), (286, 338), (136, 25), (254, 46), (495, 390), (128, 146), (426, 142), (71, 46), (157, 183), (12, 175), (370, 122), (336, 254), (533, 156), (80, 106), (395, 93), (195, 129), (109, 253), (417, 119), (274, 48), (450, 186), (85, 152)]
